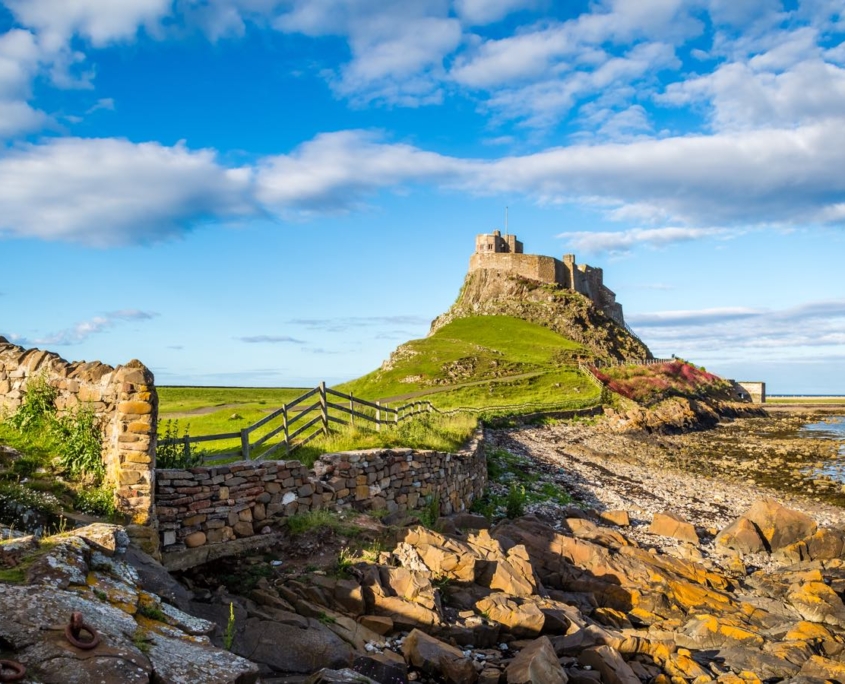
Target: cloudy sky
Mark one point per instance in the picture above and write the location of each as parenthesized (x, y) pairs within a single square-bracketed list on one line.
[(274, 192)]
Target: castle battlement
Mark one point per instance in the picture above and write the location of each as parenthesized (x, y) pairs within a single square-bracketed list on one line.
[(495, 252)]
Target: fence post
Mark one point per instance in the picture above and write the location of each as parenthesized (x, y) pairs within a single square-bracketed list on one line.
[(378, 416), (352, 411), (285, 424), (245, 444), (396, 416), (324, 409)]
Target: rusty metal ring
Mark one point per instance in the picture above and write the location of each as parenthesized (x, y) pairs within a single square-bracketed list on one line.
[(18, 671), (74, 630)]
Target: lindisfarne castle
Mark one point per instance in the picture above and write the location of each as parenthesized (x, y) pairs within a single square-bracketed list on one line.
[(493, 251)]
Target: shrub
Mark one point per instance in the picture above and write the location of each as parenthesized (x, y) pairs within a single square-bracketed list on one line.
[(96, 501), (174, 451), (515, 506), (80, 444), (38, 406)]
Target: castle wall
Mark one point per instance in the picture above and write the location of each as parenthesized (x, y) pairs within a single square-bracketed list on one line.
[(212, 511), (533, 266), (123, 398), (583, 279)]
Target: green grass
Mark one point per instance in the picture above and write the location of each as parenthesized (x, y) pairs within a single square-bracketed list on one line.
[(224, 409), (181, 399), (493, 364), (805, 400), (472, 362), (440, 433)]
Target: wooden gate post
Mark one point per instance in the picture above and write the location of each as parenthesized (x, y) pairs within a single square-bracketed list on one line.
[(285, 424), (245, 444), (324, 409), (378, 416)]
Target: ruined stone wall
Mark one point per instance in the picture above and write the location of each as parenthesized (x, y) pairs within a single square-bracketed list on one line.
[(217, 505), (123, 398)]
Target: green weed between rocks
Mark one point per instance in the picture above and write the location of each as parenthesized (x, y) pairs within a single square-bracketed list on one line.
[(229, 636), (514, 483)]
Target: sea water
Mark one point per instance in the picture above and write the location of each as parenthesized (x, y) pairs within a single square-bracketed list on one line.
[(832, 428)]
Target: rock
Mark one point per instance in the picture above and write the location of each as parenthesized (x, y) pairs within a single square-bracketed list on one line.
[(537, 663), (378, 623), (817, 602), (619, 518), (608, 662), (344, 676), (384, 668), (470, 521), (763, 665), (438, 659), (410, 585), (33, 629), (443, 557), (304, 649), (195, 539), (778, 525), (110, 540), (823, 668), (742, 536), (672, 525), (520, 619)]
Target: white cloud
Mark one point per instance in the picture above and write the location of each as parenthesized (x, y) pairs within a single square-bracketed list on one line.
[(719, 332), (108, 191), (397, 48), (626, 240), (694, 317), (770, 175), (479, 12), (100, 21), (335, 170), (19, 62), (82, 331), (270, 339), (741, 97)]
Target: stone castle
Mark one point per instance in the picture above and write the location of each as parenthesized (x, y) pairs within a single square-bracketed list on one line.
[(504, 253)]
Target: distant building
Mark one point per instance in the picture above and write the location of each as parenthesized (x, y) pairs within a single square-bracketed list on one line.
[(493, 251), (752, 391)]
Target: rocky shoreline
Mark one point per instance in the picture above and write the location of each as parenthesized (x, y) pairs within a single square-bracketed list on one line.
[(672, 563)]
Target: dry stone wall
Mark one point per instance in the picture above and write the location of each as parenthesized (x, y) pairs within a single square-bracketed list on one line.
[(125, 401), (232, 504)]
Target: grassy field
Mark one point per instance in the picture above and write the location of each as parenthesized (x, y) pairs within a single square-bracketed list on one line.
[(805, 400)]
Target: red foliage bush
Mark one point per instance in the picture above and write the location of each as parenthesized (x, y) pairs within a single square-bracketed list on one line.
[(650, 384)]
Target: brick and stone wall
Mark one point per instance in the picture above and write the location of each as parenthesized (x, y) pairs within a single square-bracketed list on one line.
[(208, 506), (123, 398)]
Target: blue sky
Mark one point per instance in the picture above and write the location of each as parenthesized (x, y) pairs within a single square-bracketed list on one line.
[(275, 192)]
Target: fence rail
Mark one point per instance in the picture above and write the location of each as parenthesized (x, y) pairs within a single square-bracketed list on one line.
[(318, 416)]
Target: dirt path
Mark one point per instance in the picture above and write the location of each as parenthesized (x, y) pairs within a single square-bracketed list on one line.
[(447, 388)]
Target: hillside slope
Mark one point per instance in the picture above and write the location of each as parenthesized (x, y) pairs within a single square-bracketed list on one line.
[(482, 360), (492, 292)]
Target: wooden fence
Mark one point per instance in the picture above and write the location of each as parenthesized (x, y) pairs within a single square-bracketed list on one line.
[(292, 422)]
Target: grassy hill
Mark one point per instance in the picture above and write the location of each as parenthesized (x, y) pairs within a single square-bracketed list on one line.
[(482, 361)]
